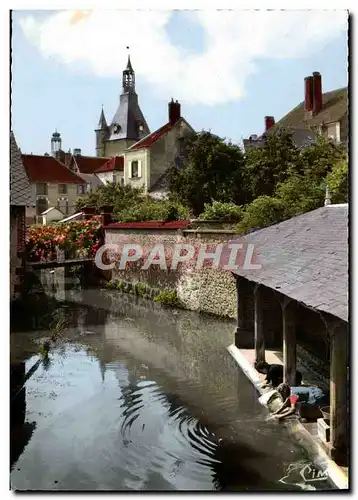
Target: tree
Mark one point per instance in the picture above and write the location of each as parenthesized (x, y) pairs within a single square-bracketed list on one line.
[(271, 163), (318, 158), (337, 181), (222, 211), (262, 212), (212, 170), (300, 194), (111, 194)]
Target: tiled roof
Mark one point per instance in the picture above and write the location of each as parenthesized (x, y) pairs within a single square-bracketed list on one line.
[(48, 169), (89, 164), (146, 142), (335, 106), (91, 179), (152, 224), (115, 163), (20, 187), (305, 258)]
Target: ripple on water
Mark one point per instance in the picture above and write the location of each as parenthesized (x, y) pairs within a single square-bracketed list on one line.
[(174, 438)]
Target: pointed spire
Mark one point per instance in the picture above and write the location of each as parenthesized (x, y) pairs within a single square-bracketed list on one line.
[(128, 77), (102, 124), (129, 64)]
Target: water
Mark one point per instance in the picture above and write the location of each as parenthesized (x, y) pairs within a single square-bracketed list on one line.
[(138, 397)]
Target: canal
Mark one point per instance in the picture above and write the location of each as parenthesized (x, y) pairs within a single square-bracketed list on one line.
[(135, 396)]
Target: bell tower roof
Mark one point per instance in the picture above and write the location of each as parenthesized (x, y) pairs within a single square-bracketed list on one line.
[(128, 80), (102, 124), (128, 121)]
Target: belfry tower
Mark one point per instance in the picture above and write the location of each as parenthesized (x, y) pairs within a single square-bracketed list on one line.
[(128, 124)]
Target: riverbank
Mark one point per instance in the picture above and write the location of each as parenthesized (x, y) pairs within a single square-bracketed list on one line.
[(306, 434)]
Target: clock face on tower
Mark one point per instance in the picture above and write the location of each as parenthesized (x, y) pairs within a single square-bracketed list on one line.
[(116, 128)]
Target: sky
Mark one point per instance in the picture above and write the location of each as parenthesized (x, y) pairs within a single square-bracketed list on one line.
[(228, 69)]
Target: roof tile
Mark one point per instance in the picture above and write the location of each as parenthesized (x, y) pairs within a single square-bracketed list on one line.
[(48, 169)]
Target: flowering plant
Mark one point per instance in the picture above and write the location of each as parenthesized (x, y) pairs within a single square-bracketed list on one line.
[(75, 238)]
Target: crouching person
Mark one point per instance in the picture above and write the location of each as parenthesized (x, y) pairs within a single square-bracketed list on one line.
[(274, 374), (304, 400)]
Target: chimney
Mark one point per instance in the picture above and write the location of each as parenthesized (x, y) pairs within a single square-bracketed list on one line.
[(174, 112), (317, 92), (308, 93), (269, 122)]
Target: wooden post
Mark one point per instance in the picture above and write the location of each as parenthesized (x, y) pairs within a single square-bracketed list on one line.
[(244, 335), (289, 341), (259, 325), (339, 395)]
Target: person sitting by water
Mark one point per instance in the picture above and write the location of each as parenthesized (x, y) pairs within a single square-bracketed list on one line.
[(307, 400), (274, 374)]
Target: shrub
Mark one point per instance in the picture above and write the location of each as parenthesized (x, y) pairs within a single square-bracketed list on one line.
[(222, 211), (262, 212), (149, 209), (140, 289), (168, 298)]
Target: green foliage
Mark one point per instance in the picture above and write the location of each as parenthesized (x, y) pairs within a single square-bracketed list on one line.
[(140, 289), (168, 298), (299, 194), (222, 211), (212, 170), (111, 285), (111, 194), (337, 181), (318, 158), (262, 212), (269, 164), (149, 209)]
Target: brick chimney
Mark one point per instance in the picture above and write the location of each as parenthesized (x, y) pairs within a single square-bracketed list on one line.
[(317, 92), (174, 112), (269, 122), (308, 93)]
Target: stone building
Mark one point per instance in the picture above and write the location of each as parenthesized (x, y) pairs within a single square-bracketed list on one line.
[(319, 113), (52, 185), (128, 124), (147, 161), (21, 198), (299, 297)]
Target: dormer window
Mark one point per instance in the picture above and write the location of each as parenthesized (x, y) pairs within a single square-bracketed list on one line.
[(116, 128)]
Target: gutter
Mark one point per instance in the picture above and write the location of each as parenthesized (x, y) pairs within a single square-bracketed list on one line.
[(295, 427)]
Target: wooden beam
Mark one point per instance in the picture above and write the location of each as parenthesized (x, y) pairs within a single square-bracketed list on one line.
[(289, 309), (339, 395), (259, 324)]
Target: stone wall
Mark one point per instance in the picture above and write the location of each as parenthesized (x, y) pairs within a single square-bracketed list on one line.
[(207, 289)]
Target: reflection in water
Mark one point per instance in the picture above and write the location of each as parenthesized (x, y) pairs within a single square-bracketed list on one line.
[(20, 432), (138, 398)]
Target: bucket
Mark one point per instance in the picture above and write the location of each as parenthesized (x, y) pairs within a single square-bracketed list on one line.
[(326, 412), (265, 398)]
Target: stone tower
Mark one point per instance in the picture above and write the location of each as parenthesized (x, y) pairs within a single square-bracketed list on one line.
[(101, 135), (128, 124), (56, 143)]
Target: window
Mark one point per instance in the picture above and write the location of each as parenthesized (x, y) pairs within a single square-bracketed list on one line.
[(62, 189), (81, 189), (135, 170), (41, 188), (41, 205)]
